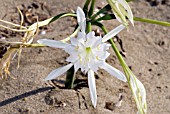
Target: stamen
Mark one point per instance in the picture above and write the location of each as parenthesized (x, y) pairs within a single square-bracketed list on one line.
[(80, 59), (97, 57), (77, 47)]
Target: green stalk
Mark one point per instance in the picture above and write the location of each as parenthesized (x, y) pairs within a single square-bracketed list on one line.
[(70, 78), (114, 47), (163, 23), (126, 69), (89, 27)]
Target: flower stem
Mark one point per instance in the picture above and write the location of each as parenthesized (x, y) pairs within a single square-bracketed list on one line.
[(88, 27), (128, 72), (70, 78), (163, 23), (114, 47)]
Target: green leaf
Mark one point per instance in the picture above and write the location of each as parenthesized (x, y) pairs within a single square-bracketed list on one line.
[(97, 23), (106, 17), (104, 9), (62, 15), (90, 13), (86, 5)]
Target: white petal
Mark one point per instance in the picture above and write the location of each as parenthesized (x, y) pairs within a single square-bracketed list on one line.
[(59, 71), (86, 68), (97, 41), (104, 46), (114, 72), (81, 37), (142, 91), (94, 65), (90, 35), (53, 43), (128, 9), (113, 33), (81, 19), (139, 93), (119, 15), (71, 49), (100, 54), (74, 41), (92, 87), (72, 58), (91, 39), (77, 65)]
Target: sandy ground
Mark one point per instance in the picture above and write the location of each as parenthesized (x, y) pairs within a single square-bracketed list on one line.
[(147, 49)]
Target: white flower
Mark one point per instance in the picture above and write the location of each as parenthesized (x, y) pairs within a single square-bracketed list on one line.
[(121, 10), (87, 52), (139, 94)]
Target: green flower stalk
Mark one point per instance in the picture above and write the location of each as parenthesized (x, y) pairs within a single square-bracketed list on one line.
[(137, 88), (121, 10)]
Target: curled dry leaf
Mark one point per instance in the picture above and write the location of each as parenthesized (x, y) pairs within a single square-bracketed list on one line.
[(5, 63)]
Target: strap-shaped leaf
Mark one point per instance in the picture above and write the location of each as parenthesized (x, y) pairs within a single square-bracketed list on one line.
[(104, 9), (86, 5), (90, 13), (62, 15), (106, 17)]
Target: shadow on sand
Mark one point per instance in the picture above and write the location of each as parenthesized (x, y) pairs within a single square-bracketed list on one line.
[(27, 94)]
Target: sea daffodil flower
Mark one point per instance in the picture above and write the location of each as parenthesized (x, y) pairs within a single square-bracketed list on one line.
[(87, 52), (121, 10), (139, 94)]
